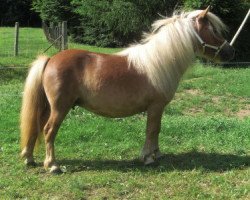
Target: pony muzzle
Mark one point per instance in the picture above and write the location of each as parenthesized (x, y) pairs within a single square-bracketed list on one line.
[(226, 53)]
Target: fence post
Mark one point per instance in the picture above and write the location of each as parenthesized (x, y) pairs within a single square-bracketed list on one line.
[(16, 39), (64, 36)]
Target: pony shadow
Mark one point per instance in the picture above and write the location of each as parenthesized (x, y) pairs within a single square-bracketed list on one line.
[(169, 162)]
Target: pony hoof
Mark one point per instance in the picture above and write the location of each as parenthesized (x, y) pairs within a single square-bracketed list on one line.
[(152, 158), (148, 160), (31, 164), (55, 170), (159, 155)]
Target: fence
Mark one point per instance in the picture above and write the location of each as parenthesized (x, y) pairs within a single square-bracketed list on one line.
[(29, 42), (57, 35), (32, 41)]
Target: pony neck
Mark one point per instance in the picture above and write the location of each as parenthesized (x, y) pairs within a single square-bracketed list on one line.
[(165, 54)]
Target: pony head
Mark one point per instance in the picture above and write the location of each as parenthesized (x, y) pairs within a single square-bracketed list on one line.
[(210, 43)]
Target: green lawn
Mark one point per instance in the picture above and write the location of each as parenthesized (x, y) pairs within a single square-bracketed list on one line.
[(205, 137)]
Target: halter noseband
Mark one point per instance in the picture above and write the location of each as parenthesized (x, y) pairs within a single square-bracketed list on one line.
[(204, 45)]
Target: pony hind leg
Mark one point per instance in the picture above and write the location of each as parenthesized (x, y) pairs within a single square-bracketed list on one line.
[(50, 130), (57, 114)]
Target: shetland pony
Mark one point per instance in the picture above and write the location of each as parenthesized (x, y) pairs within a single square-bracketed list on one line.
[(143, 77)]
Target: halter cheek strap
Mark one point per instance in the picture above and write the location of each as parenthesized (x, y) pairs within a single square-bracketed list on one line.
[(204, 45)]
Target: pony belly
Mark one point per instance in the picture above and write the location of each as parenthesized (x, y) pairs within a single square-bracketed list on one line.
[(114, 107), (114, 114)]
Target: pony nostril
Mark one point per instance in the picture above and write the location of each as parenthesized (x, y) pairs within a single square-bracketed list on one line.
[(227, 53)]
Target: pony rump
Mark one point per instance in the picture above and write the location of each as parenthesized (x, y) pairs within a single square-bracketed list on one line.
[(165, 53), (33, 103)]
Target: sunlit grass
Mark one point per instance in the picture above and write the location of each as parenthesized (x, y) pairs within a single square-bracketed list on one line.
[(204, 135)]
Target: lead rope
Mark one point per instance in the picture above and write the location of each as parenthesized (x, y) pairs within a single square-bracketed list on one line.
[(240, 28)]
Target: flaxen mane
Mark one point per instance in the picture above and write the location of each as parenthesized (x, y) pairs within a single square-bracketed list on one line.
[(165, 53)]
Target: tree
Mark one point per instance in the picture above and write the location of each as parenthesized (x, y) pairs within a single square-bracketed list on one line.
[(53, 10), (117, 22), (120, 22), (12, 11)]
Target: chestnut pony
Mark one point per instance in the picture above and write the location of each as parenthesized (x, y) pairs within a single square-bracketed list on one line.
[(143, 77)]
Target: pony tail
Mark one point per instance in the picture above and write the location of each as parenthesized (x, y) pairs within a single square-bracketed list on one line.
[(33, 104)]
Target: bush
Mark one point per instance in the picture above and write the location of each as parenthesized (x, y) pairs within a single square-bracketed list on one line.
[(120, 22), (12, 11), (116, 23), (104, 23), (53, 10)]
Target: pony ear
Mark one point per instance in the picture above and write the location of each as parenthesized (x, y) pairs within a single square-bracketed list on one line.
[(204, 13)]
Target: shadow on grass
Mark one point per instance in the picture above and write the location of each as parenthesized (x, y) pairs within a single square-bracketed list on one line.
[(169, 162), (8, 74)]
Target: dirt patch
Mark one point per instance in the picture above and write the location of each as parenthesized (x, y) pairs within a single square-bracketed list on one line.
[(216, 99), (243, 113), (193, 92), (193, 111)]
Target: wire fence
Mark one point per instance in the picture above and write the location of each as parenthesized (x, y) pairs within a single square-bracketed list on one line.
[(52, 38), (6, 49), (29, 42)]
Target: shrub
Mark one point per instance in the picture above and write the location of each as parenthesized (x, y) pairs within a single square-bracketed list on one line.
[(118, 22), (12, 11)]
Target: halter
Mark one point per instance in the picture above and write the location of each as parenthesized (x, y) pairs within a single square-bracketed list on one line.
[(204, 45)]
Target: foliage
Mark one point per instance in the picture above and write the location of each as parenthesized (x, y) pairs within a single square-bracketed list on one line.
[(52, 10), (105, 22), (12, 11), (232, 12), (120, 22)]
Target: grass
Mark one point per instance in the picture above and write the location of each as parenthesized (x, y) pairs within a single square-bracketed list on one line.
[(205, 135)]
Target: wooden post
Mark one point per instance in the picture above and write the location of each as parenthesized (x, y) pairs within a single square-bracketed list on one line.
[(16, 39), (64, 36)]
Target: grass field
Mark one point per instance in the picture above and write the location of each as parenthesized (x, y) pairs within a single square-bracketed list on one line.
[(205, 137)]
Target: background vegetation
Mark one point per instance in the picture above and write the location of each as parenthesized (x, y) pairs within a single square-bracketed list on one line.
[(12, 11), (118, 23)]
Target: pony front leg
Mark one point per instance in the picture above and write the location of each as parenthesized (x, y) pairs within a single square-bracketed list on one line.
[(151, 151), (50, 161)]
